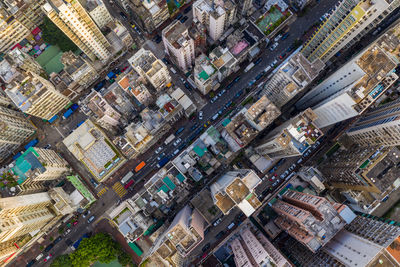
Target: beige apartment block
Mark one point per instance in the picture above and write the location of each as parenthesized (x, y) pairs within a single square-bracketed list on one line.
[(36, 96), (72, 19)]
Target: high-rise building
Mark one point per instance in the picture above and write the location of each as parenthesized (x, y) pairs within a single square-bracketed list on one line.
[(35, 166), (179, 45), (150, 68), (15, 128), (35, 95), (23, 216), (184, 234), (379, 126), (78, 69), (18, 58), (73, 20), (292, 138), (205, 75), (346, 24), (17, 20), (98, 12), (236, 188), (364, 175), (217, 16), (367, 241), (149, 14), (243, 7), (355, 86), (291, 78), (311, 220)]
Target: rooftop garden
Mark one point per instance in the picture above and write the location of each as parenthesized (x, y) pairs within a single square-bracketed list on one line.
[(271, 19), (7, 180)]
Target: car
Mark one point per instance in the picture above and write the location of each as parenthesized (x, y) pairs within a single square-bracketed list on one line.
[(182, 20), (300, 161), (218, 221), (274, 184), (67, 232), (220, 111), (258, 61), (282, 56), (38, 257), (58, 239), (68, 242), (228, 104), (91, 219), (124, 68), (179, 16), (187, 85), (47, 258), (318, 143), (220, 234), (229, 85), (93, 181), (194, 127), (31, 263), (133, 26), (165, 61), (278, 37), (200, 115), (182, 80), (158, 150), (47, 146), (286, 35), (286, 172), (270, 179), (252, 82), (75, 223), (206, 247), (186, 10), (282, 175), (86, 214), (122, 14), (273, 64), (49, 247), (176, 152), (177, 141), (275, 45), (236, 79), (222, 92)]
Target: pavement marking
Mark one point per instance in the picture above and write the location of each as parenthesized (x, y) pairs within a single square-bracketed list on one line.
[(59, 132), (119, 189), (101, 192)]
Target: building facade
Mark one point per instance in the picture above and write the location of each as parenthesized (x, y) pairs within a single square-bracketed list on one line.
[(150, 68), (348, 22), (292, 138), (179, 45), (73, 20), (98, 12), (15, 129)]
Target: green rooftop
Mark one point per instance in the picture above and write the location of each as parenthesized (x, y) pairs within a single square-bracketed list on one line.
[(203, 75), (180, 177), (77, 183), (169, 183), (135, 248), (164, 188), (199, 151), (26, 162)]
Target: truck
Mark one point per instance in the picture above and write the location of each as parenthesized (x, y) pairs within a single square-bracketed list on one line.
[(249, 67), (179, 130), (76, 244), (127, 177), (169, 139), (31, 143), (140, 166), (162, 162), (68, 113), (173, 70)]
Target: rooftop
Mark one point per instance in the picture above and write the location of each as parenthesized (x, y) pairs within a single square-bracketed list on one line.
[(203, 69), (177, 34), (263, 112)]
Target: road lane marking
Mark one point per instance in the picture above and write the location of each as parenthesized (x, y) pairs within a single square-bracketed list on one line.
[(119, 189)]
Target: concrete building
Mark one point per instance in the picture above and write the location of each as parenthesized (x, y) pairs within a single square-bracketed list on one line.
[(98, 108), (311, 220), (312, 176), (379, 126), (169, 108), (224, 61), (292, 76), (184, 234), (262, 113), (205, 75), (92, 147), (198, 32), (179, 45), (35, 95), (17, 20), (149, 14), (24, 218), (134, 84), (366, 241), (217, 16), (345, 25), (354, 87), (78, 69), (15, 129), (36, 166), (364, 175), (292, 138), (236, 188), (73, 20), (150, 68), (251, 248), (98, 12), (244, 7), (187, 104), (18, 58)]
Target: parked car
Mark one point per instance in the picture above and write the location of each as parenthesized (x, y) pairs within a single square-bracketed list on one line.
[(200, 115), (286, 35), (86, 213), (68, 242), (217, 222), (220, 234), (47, 146), (179, 16), (206, 247), (123, 15), (158, 150), (49, 247), (275, 45), (91, 219), (300, 161), (38, 257), (58, 239), (236, 79), (222, 92), (47, 258), (31, 263), (177, 141), (75, 223), (67, 232), (278, 37), (182, 20)]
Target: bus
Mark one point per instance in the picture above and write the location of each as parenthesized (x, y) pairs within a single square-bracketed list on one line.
[(140, 166), (169, 139), (127, 177), (249, 67)]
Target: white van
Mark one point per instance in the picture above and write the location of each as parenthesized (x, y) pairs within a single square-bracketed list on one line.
[(231, 226)]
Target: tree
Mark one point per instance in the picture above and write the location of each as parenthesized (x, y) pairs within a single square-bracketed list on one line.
[(125, 259), (62, 261), (53, 35)]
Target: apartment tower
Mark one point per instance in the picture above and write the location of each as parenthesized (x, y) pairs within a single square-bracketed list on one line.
[(72, 19), (345, 25)]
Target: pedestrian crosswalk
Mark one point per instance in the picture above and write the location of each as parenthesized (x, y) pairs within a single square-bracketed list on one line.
[(102, 191), (119, 189)]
